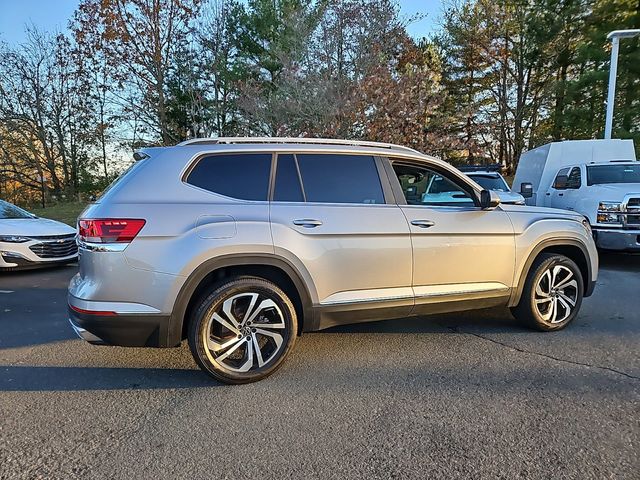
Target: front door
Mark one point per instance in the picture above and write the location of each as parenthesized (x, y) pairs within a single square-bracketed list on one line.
[(460, 251)]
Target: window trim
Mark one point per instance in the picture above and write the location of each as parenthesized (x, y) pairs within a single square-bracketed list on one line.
[(569, 176), (399, 194)]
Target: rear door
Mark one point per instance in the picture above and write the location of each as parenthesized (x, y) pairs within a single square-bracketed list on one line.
[(333, 216)]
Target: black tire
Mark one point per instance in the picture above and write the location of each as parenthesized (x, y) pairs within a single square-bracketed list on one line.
[(247, 334), (541, 318)]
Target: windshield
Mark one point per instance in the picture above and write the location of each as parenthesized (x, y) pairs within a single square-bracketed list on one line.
[(490, 182), (8, 210), (602, 174)]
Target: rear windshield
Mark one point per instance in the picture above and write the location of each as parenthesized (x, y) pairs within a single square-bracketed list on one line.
[(8, 210), (602, 174), (131, 168), (490, 182)]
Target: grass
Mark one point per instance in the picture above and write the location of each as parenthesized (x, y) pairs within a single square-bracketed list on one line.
[(63, 212)]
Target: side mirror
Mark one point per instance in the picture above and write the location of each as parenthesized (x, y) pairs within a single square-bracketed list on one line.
[(526, 190), (489, 199)]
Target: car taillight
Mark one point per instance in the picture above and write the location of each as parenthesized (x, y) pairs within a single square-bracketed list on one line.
[(109, 230)]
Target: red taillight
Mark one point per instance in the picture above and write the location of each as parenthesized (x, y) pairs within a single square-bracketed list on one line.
[(109, 230)]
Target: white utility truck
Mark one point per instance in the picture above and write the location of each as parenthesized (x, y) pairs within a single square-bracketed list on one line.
[(598, 178)]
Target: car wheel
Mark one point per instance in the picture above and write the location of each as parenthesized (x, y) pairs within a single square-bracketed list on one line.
[(242, 330), (552, 293)]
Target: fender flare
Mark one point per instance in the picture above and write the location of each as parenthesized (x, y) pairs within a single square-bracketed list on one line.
[(539, 248), (177, 318)]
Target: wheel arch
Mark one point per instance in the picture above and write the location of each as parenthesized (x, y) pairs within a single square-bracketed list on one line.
[(569, 247), (272, 268)]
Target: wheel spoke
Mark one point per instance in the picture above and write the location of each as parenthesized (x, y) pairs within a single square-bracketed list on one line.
[(254, 339), (564, 281), (539, 290), (567, 299), (264, 305), (276, 336), (543, 300), (254, 299), (228, 352), (216, 346), (226, 308), (567, 310), (226, 324)]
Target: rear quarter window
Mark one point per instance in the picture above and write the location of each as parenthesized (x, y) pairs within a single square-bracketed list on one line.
[(243, 176)]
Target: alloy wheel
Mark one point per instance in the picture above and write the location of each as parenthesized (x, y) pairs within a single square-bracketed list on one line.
[(246, 332), (556, 294)]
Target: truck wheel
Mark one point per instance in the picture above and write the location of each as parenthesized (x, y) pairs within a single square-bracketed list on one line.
[(242, 330), (552, 293)]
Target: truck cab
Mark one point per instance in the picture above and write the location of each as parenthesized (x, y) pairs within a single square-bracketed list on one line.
[(599, 179)]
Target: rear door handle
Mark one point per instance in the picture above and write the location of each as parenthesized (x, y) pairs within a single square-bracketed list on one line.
[(423, 223), (307, 223)]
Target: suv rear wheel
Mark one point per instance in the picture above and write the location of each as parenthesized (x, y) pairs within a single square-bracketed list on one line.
[(552, 293), (242, 330)]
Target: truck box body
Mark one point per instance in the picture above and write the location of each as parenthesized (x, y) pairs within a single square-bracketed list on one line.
[(598, 178)]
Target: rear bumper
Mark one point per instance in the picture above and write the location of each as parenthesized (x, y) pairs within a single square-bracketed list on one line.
[(128, 330), (627, 240)]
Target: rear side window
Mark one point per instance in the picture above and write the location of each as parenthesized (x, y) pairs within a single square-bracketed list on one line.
[(340, 178), (244, 176), (287, 187)]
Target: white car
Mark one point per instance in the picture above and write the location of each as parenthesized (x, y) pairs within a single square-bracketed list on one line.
[(29, 241), (441, 192)]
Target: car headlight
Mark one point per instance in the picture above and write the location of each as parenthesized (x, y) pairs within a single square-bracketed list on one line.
[(14, 239), (609, 207), (609, 218)]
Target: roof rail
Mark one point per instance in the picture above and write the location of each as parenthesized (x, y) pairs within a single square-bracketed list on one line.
[(296, 140)]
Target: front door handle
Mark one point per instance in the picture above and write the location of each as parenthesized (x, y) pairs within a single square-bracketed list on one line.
[(307, 223), (423, 223)]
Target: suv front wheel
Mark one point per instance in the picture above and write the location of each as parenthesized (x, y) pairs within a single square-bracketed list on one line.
[(552, 293), (242, 330)]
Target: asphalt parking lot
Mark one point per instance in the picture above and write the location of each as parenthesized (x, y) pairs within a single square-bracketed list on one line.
[(469, 395)]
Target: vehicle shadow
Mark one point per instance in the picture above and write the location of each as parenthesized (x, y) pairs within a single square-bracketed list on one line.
[(621, 262), (29, 378)]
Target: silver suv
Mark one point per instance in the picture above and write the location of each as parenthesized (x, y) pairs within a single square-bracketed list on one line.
[(241, 244)]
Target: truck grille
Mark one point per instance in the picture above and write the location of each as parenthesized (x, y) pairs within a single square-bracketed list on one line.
[(55, 247), (633, 212)]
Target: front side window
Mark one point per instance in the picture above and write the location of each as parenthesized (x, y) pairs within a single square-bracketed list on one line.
[(575, 178), (329, 178), (560, 183), (424, 186), (238, 175)]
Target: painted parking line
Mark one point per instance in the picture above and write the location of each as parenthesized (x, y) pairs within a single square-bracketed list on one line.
[(6, 291)]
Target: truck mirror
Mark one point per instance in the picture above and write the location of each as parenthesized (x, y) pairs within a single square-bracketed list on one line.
[(526, 190)]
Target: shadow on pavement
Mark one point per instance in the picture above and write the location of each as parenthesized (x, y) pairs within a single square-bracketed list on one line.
[(44, 378), (624, 262)]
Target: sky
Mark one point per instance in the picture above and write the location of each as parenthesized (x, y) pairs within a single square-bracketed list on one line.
[(53, 15)]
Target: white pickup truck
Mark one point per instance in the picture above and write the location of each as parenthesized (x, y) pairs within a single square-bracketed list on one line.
[(598, 178)]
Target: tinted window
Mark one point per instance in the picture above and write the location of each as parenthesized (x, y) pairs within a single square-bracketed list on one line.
[(340, 179), (423, 186), (575, 178), (287, 188), (244, 176), (560, 183), (603, 174), (9, 210)]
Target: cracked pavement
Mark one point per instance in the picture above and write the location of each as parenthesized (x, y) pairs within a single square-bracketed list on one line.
[(471, 395)]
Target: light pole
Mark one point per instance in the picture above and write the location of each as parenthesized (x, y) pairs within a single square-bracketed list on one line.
[(615, 37)]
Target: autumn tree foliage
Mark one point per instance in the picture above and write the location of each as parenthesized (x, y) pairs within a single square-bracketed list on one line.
[(496, 79)]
